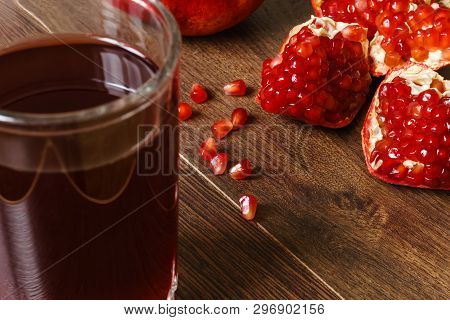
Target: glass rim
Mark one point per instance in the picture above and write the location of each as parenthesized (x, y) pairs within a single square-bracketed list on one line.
[(118, 106)]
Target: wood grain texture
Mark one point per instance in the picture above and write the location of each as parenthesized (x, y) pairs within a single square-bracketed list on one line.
[(364, 238), (221, 256)]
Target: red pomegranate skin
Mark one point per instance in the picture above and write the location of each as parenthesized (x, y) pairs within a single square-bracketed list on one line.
[(206, 17)]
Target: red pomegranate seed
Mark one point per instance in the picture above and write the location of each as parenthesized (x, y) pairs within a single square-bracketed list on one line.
[(198, 93), (242, 170), (235, 88), (239, 118), (392, 59), (184, 111), (221, 128), (208, 149), (219, 163), (305, 49), (354, 33), (399, 5), (419, 54), (428, 98), (248, 204)]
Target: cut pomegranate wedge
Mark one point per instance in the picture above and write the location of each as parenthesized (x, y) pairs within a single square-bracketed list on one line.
[(363, 12), (410, 32), (321, 75), (406, 134)]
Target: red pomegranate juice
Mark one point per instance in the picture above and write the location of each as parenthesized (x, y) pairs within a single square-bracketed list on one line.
[(100, 231)]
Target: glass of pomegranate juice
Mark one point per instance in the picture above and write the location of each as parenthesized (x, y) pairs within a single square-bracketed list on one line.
[(88, 149)]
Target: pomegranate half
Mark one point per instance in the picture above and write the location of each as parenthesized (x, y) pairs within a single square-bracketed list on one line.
[(406, 134)]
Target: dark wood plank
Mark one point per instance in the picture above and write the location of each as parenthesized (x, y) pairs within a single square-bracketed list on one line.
[(222, 256), (365, 238)]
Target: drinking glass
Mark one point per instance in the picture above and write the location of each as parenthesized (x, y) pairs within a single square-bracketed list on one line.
[(89, 196)]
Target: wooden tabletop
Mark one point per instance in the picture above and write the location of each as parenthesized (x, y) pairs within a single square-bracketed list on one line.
[(324, 229)]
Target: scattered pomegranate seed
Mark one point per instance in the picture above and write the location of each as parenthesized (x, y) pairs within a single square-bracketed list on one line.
[(242, 170), (235, 88), (221, 128), (248, 204), (239, 118), (208, 149), (184, 111), (219, 163), (198, 93)]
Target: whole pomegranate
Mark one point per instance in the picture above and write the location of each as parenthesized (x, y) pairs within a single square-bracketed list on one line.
[(205, 17), (406, 134)]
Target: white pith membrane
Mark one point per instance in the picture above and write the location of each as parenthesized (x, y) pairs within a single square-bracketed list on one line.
[(419, 78), (320, 27), (445, 3), (377, 53)]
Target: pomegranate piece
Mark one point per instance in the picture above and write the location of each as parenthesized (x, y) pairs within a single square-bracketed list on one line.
[(410, 32), (242, 170), (363, 12), (406, 134), (198, 93), (351, 11), (248, 204), (235, 88), (219, 163), (221, 128), (208, 149), (184, 111), (321, 75), (239, 118)]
